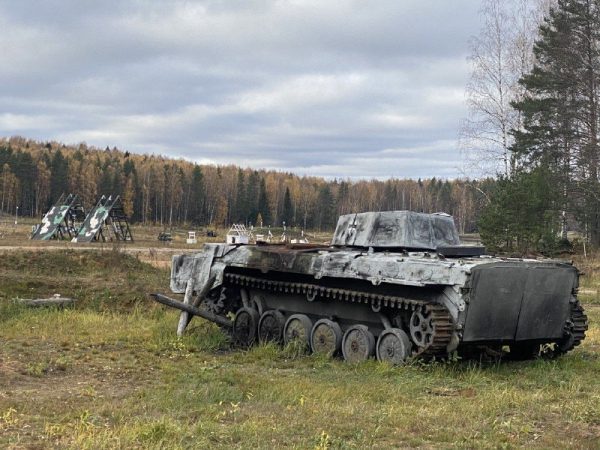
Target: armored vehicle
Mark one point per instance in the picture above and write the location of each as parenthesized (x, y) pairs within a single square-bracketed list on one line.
[(390, 284)]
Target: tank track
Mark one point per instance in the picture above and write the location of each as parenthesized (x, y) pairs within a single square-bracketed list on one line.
[(576, 327), (442, 321)]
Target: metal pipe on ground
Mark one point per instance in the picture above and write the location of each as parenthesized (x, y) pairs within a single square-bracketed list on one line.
[(192, 310)]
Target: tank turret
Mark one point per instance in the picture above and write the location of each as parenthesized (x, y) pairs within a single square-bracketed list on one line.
[(405, 230), (396, 229)]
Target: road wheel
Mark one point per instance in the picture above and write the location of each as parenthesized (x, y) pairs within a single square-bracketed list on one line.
[(245, 326), (358, 344), (326, 337), (393, 346), (270, 326), (297, 329)]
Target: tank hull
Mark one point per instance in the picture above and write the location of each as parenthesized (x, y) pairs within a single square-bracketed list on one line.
[(442, 304), (394, 284)]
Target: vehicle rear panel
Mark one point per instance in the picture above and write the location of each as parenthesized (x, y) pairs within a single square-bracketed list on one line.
[(512, 301)]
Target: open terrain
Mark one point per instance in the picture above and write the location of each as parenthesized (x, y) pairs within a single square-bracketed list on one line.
[(110, 372), (145, 247)]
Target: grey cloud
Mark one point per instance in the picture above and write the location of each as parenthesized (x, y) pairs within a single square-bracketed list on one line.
[(325, 88)]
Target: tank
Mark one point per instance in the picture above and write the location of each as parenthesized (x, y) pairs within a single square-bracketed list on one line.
[(392, 285)]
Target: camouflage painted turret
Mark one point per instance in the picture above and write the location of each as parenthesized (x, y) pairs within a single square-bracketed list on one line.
[(392, 285)]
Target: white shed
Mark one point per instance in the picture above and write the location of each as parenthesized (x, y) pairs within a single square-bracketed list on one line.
[(238, 234)]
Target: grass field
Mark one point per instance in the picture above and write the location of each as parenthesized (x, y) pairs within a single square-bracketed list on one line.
[(110, 373), (143, 235)]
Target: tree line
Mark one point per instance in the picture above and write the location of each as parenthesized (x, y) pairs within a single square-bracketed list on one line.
[(546, 125), (169, 192)]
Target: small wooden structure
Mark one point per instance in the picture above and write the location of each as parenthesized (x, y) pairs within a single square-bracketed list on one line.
[(238, 234)]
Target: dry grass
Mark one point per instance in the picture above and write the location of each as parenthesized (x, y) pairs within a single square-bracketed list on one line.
[(146, 247), (110, 373), (589, 282)]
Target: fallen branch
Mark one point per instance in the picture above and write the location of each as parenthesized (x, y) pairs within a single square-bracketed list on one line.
[(52, 301)]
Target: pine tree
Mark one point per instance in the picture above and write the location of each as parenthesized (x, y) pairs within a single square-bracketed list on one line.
[(521, 215), (560, 110), (263, 204), (326, 208), (105, 182), (118, 180), (288, 208), (128, 196), (9, 184), (240, 209), (42, 187), (344, 204), (197, 196), (59, 183), (252, 198)]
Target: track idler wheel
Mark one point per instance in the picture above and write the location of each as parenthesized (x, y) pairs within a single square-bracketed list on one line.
[(297, 329), (270, 326), (326, 337), (393, 346), (358, 344), (245, 326)]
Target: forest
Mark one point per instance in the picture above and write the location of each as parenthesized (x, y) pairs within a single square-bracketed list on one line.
[(159, 190), (534, 120)]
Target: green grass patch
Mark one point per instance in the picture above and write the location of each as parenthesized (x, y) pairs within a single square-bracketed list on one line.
[(99, 279), (111, 373)]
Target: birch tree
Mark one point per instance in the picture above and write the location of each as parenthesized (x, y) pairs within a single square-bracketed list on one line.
[(499, 56)]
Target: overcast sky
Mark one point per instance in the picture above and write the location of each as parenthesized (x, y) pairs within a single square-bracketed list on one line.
[(331, 88)]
